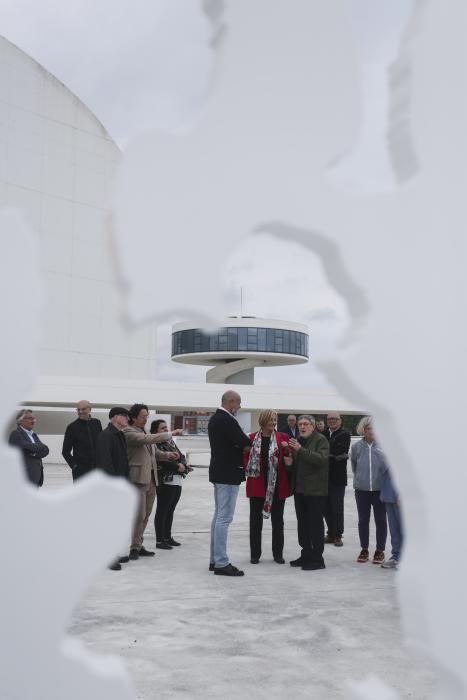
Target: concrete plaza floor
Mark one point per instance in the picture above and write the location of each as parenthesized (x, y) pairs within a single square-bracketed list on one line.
[(277, 632)]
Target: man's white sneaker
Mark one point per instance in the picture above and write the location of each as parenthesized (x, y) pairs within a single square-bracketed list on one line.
[(390, 564)]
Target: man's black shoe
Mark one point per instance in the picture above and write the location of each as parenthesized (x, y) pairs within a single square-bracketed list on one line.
[(228, 570), (279, 560), (134, 554), (163, 545), (211, 567), (173, 542), (116, 566), (124, 560), (145, 552), (254, 560), (313, 566), (296, 562)]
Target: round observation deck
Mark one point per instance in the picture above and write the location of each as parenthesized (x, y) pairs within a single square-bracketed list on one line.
[(239, 345)]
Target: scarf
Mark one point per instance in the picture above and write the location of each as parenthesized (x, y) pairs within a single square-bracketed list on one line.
[(253, 468), (170, 446)]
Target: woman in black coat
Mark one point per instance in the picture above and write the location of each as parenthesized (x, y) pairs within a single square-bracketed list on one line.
[(171, 474)]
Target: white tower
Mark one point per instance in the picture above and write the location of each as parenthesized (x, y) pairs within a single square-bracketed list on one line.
[(240, 345)]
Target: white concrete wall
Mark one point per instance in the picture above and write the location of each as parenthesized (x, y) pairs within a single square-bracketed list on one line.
[(54, 443), (57, 165), (171, 396)]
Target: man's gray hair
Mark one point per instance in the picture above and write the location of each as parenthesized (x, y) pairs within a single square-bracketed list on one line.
[(364, 423), (305, 416), (21, 414)]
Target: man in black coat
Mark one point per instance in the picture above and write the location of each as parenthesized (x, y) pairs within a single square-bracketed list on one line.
[(339, 447), (111, 451), (32, 448), (227, 441), (79, 443), (112, 457)]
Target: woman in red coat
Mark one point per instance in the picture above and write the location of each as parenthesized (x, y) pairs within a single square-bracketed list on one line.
[(267, 484)]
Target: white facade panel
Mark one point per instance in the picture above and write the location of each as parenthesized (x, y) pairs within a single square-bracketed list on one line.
[(57, 165), (66, 391)]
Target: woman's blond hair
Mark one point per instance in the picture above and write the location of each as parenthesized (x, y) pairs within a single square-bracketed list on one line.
[(265, 416), (364, 423)]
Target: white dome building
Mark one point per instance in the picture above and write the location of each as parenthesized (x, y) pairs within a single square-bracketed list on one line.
[(57, 163)]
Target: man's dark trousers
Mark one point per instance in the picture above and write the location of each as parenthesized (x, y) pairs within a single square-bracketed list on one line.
[(365, 501), (79, 471), (334, 514), (310, 526)]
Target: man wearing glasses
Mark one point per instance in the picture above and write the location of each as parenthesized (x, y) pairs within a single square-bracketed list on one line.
[(339, 446), (79, 443), (32, 448), (309, 467)]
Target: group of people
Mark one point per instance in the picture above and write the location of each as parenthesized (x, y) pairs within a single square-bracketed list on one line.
[(151, 461), (307, 460), (310, 464)]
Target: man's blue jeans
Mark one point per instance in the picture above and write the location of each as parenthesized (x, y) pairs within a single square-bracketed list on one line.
[(225, 499), (395, 528)]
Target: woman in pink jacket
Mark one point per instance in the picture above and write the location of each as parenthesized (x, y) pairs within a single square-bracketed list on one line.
[(267, 484)]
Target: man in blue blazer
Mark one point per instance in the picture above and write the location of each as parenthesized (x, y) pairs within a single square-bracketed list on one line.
[(292, 427), (227, 441), (32, 448)]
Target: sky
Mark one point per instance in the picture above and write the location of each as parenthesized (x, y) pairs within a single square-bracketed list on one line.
[(134, 64), (145, 63), (113, 53)]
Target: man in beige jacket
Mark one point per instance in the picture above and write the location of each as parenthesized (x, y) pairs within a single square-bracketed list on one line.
[(142, 456)]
